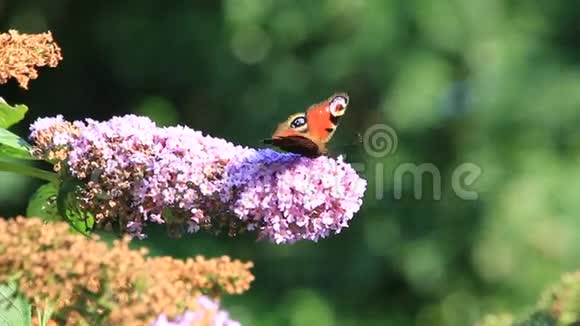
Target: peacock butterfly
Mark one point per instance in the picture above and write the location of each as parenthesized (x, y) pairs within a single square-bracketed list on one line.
[(307, 133)]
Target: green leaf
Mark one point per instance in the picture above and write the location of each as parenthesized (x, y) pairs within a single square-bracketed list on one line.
[(20, 167), (13, 146), (10, 115), (14, 309), (67, 204), (43, 203)]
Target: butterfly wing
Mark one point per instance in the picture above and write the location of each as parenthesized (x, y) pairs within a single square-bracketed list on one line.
[(307, 133), (296, 144), (323, 117)]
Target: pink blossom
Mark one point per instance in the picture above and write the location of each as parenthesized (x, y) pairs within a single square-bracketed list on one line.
[(208, 308)]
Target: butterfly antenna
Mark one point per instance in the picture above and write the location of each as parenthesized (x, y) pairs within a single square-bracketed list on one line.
[(356, 142)]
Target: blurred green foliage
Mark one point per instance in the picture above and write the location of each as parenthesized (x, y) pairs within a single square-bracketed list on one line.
[(492, 82)]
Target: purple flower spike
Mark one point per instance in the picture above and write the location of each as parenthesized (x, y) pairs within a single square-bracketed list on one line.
[(208, 315), (137, 172), (289, 197)]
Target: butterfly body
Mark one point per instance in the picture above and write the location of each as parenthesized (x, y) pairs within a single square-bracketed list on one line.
[(308, 132)]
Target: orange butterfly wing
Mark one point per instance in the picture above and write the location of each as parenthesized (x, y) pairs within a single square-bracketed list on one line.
[(323, 117), (307, 134)]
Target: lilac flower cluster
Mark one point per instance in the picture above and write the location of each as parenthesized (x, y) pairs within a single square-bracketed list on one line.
[(136, 172), (290, 197), (208, 315)]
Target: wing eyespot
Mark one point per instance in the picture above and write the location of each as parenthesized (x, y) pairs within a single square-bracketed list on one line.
[(298, 122), (338, 105)]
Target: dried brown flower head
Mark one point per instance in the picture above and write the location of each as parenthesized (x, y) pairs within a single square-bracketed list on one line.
[(84, 279), (20, 54), (53, 140)]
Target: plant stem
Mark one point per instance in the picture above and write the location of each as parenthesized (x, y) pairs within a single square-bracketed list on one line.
[(28, 170)]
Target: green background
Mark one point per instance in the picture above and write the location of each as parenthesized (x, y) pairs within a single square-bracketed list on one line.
[(492, 82)]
